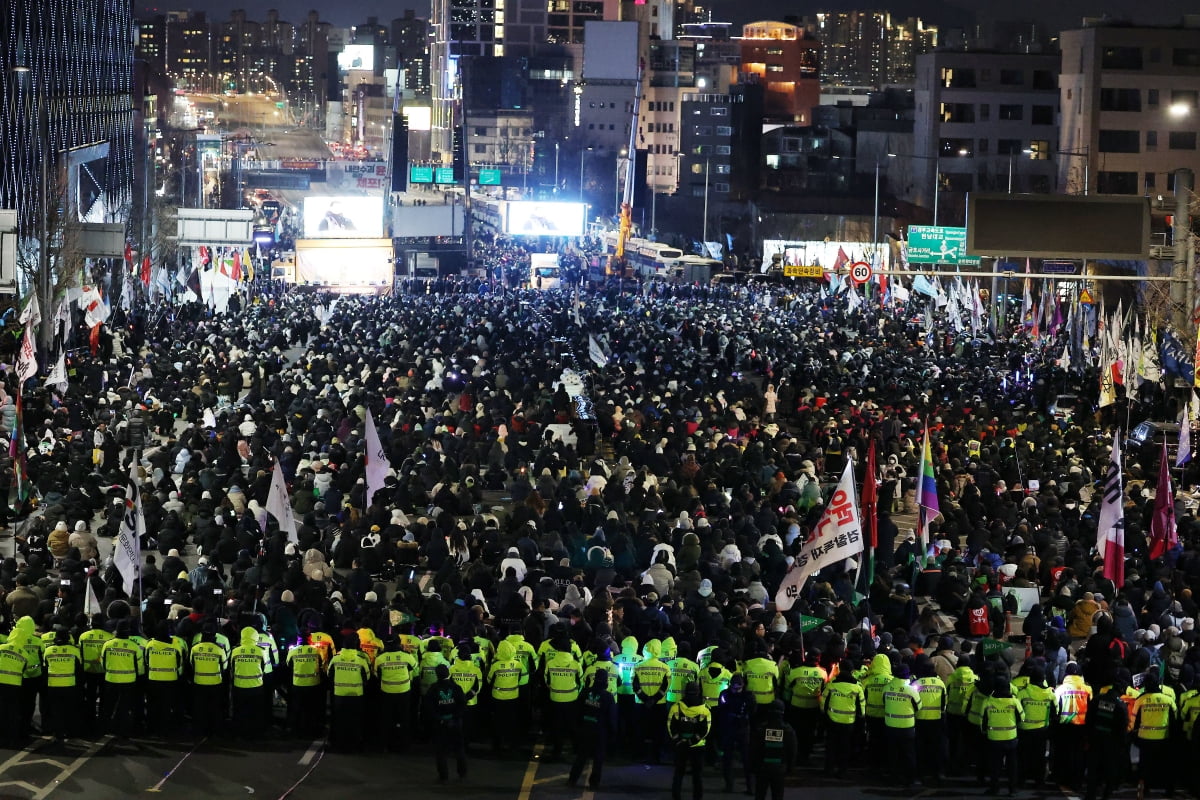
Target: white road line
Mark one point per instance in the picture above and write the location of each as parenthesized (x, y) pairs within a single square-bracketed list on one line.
[(531, 772), (158, 786), (15, 757), (292, 788), (70, 770), (310, 754)]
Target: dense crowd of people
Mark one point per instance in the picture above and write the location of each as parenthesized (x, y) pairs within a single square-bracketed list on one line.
[(592, 553)]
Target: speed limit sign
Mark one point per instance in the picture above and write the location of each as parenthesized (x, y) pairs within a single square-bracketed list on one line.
[(860, 272)]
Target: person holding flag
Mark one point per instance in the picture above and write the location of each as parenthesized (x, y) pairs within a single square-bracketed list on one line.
[(1164, 536), (836, 537), (1110, 532), (928, 508)]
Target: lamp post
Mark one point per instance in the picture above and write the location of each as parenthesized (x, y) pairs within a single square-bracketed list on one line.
[(582, 153), (623, 153), (707, 165), (556, 167)]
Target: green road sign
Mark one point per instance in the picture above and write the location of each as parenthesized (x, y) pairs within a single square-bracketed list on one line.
[(420, 174), (489, 177), (279, 104), (935, 244), (444, 175)]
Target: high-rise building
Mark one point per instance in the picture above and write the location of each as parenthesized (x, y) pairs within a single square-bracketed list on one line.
[(906, 41), (866, 48), (190, 52), (1129, 107), (410, 37), (151, 45), (787, 62), (565, 18), (66, 125)]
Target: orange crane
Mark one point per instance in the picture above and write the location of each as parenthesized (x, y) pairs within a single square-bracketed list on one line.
[(617, 263)]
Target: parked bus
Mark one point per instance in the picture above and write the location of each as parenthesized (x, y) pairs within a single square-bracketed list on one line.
[(648, 259)]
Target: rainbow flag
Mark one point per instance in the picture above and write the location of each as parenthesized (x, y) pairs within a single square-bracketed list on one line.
[(927, 498)]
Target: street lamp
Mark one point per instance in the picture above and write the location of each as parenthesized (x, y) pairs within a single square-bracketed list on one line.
[(582, 153), (1179, 110), (617, 179)]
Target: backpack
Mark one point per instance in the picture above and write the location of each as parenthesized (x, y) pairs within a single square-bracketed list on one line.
[(1174, 663)]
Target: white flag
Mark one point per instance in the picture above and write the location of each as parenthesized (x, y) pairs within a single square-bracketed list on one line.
[(208, 419), (26, 357), (575, 306), (279, 505), (58, 373), (596, 352), (1184, 454), (377, 460), (91, 603), (127, 557), (836, 537), (31, 315), (1111, 526)]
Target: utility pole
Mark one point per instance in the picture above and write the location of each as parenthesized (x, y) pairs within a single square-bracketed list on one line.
[(1181, 236)]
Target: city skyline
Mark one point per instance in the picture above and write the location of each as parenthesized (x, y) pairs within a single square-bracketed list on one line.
[(1065, 14)]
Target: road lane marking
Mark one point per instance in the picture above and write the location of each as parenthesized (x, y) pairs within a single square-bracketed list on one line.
[(292, 788), (72, 767), (531, 772), (158, 786), (316, 747)]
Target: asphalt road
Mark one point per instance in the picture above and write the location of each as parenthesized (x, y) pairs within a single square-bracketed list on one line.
[(300, 770)]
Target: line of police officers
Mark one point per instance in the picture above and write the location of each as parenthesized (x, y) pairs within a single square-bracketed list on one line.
[(657, 699)]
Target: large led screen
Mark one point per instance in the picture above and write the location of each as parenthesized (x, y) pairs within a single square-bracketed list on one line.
[(829, 255), (343, 217), (531, 218), (357, 56), (345, 265)]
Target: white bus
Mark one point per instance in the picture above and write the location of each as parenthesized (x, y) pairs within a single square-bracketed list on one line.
[(648, 259)]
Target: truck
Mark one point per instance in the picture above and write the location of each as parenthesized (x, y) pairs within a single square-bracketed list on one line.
[(544, 272)]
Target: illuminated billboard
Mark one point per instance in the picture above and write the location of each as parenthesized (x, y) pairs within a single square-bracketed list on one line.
[(343, 217), (345, 266), (420, 118), (357, 56), (531, 218), (826, 255)]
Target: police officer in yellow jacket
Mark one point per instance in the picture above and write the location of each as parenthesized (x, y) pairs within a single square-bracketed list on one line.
[(124, 664), (91, 642), (164, 671), (210, 686), (879, 675), (396, 670), (650, 678), (1037, 702), (466, 673), (63, 666), (504, 682), (901, 702), (349, 671), (802, 692), (34, 678), (844, 704), (563, 677), (247, 662), (931, 720), (1153, 716), (12, 673), (1000, 722), (305, 668), (688, 725)]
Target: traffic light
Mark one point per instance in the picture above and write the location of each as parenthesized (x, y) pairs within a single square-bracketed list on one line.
[(460, 155), (399, 153)]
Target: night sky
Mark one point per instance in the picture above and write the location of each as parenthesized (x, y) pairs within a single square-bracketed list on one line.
[(1055, 15)]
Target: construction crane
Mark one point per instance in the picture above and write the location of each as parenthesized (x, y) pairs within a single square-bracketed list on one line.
[(618, 265)]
